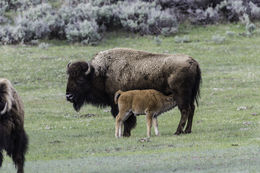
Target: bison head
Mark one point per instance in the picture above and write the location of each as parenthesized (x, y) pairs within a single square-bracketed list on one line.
[(79, 83), (6, 97)]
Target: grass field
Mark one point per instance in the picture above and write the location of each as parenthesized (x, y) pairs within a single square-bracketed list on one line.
[(226, 126)]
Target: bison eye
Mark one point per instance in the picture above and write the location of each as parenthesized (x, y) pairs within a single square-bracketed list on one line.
[(80, 80)]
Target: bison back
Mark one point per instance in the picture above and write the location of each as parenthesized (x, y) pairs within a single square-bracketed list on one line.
[(129, 69)]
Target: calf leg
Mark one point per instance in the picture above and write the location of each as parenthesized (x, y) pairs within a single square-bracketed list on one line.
[(149, 124), (119, 122), (155, 125), (129, 124)]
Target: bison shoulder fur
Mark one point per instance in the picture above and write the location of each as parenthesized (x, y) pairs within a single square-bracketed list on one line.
[(150, 102), (13, 138)]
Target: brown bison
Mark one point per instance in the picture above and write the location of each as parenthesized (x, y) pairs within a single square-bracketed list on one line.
[(140, 102), (97, 81), (13, 138)]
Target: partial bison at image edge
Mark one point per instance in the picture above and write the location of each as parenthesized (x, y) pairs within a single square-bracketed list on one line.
[(13, 138), (97, 81)]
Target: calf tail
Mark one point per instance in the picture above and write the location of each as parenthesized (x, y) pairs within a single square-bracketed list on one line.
[(117, 95)]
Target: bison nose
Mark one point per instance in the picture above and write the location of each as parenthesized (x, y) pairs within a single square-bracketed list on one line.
[(69, 97)]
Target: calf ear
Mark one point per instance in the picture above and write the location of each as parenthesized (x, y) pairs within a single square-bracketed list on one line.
[(89, 69)]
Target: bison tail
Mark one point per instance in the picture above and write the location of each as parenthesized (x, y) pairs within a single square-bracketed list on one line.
[(117, 95), (196, 86)]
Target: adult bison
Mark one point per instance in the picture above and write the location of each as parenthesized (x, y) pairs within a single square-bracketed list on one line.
[(13, 138), (97, 81)]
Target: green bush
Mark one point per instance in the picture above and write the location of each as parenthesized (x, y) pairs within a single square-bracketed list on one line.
[(86, 20)]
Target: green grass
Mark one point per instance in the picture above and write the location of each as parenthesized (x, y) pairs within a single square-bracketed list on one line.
[(224, 139)]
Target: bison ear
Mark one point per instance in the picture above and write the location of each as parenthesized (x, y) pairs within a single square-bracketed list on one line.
[(89, 69), (68, 65)]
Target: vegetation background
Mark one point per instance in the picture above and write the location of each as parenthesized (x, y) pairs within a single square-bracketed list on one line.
[(226, 128)]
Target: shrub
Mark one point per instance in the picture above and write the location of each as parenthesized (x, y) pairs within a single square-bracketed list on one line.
[(218, 39), (157, 41), (230, 33), (85, 30), (162, 22), (21, 4), (146, 18), (209, 16), (44, 46), (255, 11), (184, 39), (3, 7), (250, 28), (80, 23), (34, 23), (85, 20)]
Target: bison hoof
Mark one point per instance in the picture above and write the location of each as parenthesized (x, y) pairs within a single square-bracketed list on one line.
[(127, 134), (178, 132), (187, 131)]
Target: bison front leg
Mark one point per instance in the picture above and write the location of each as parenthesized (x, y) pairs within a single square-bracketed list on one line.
[(129, 124), (18, 153)]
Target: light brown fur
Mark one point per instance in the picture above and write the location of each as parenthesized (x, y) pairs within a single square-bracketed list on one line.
[(150, 102)]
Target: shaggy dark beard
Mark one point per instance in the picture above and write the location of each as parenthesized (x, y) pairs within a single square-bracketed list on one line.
[(93, 98), (78, 103)]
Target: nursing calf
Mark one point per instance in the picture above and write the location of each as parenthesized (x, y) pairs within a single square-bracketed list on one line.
[(150, 102)]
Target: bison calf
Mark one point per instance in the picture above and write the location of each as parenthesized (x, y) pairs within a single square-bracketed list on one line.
[(13, 138), (140, 102)]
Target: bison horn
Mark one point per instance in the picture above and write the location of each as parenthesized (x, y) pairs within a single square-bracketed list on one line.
[(4, 110), (89, 69), (68, 65)]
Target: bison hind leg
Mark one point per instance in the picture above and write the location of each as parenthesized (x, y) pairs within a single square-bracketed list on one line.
[(18, 153), (190, 118), (184, 116)]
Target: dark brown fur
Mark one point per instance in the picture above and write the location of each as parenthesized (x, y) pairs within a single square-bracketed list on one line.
[(13, 137), (128, 69)]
